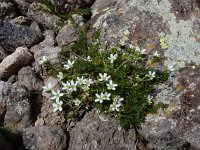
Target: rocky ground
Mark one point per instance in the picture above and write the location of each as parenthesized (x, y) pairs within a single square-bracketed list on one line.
[(28, 33)]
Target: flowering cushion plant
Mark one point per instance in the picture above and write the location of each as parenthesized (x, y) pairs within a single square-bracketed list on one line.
[(114, 79)]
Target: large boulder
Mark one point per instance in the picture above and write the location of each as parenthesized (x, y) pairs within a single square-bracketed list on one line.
[(99, 131), (44, 138), (23, 5), (172, 28), (14, 62), (12, 36)]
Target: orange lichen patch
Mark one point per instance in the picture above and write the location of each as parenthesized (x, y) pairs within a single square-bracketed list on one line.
[(180, 87), (150, 47), (134, 41), (197, 39)]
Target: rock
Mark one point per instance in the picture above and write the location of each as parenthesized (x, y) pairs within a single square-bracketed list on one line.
[(12, 36), (5, 89), (18, 114), (36, 27), (48, 117), (7, 10), (144, 23), (44, 138), (49, 39), (98, 131), (28, 78), (21, 20), (23, 5), (47, 42), (51, 53), (46, 19), (12, 79), (3, 54), (67, 35), (14, 62)]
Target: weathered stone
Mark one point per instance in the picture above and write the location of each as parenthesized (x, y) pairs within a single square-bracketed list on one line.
[(51, 53), (3, 54), (67, 35), (7, 10), (5, 89), (46, 19), (49, 39), (18, 109), (48, 117), (28, 78), (36, 27), (14, 62), (21, 20), (98, 131), (23, 5), (143, 23), (12, 36), (44, 138)]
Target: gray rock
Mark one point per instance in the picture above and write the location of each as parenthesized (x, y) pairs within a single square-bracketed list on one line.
[(5, 89), (23, 5), (21, 20), (51, 53), (49, 40), (46, 19), (100, 132), (7, 10), (14, 62), (3, 54), (67, 35), (12, 36), (28, 78), (18, 114), (44, 138), (143, 23), (36, 27)]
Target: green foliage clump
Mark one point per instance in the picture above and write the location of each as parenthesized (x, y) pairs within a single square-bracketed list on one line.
[(116, 80)]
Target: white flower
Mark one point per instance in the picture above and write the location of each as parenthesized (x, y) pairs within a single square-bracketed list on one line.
[(143, 51), (126, 33), (73, 85), (115, 106), (111, 85), (107, 96), (66, 86), (57, 105), (85, 88), (76, 102), (156, 54), (99, 98), (151, 74), (47, 88), (149, 98), (131, 46), (118, 99), (88, 82), (121, 42), (112, 58), (170, 67), (69, 64), (44, 59), (103, 77), (56, 95), (137, 49), (60, 75), (80, 80), (88, 59)]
